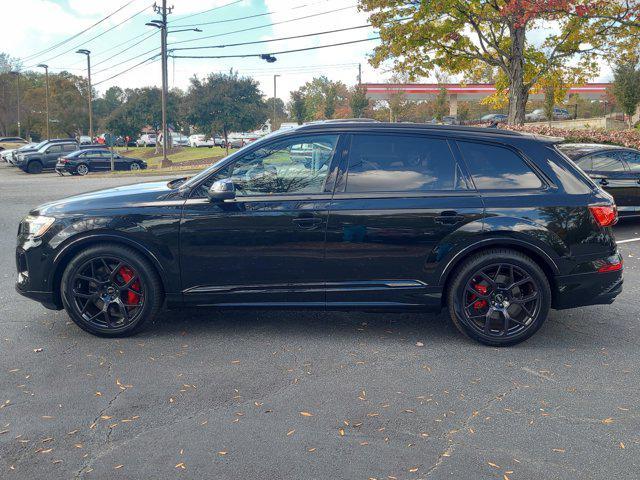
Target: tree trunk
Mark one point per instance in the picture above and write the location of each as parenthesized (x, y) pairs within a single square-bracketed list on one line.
[(226, 139), (518, 91)]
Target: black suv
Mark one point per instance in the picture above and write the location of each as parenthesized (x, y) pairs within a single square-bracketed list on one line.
[(497, 226)]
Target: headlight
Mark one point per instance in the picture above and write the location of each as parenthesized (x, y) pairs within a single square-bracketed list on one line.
[(36, 226)]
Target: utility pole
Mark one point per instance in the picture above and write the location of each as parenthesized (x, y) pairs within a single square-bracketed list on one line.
[(275, 79), (17, 74), (162, 25), (88, 54), (46, 75), (359, 74)]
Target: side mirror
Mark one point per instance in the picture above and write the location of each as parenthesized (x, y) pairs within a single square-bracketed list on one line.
[(222, 190)]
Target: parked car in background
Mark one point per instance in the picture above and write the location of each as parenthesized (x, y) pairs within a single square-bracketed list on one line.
[(46, 157), (85, 140), (539, 115), (494, 118), (5, 154), (495, 225), (178, 140), (147, 140), (10, 157), (615, 169), (11, 142), (30, 148), (200, 140), (81, 162), (235, 143)]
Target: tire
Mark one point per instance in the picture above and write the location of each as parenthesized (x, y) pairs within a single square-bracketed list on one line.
[(82, 169), (511, 267), (142, 276), (134, 167), (34, 167)]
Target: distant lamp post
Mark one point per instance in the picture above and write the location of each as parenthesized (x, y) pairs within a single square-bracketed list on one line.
[(88, 54), (275, 80), (46, 74), (17, 75)]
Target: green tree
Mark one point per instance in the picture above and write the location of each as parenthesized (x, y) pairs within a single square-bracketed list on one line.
[(298, 107), (281, 114), (323, 98), (441, 104), (358, 101), (224, 103), (105, 105), (626, 87), (467, 36)]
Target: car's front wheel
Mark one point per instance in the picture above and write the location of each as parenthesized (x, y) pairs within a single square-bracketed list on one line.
[(111, 290), (34, 167), (499, 297), (134, 167)]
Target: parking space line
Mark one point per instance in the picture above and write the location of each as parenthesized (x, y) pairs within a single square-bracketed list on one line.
[(629, 240)]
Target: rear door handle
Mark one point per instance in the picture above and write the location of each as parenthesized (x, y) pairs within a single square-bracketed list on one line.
[(307, 222), (449, 217)]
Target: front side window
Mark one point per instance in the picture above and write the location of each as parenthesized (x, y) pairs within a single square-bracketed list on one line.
[(288, 167), (401, 163), (55, 149), (607, 162), (495, 168)]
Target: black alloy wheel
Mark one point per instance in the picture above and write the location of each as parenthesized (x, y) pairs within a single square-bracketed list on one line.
[(499, 297), (111, 290)]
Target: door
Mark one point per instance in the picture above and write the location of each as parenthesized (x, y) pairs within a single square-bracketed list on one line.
[(631, 159), (399, 201), (51, 155), (609, 171), (266, 246)]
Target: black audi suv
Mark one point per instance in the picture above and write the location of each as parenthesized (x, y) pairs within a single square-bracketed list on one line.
[(498, 227)]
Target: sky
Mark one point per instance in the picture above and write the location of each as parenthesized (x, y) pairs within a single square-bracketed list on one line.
[(131, 42), (57, 20)]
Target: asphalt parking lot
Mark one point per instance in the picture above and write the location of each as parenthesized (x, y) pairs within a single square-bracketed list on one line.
[(290, 395)]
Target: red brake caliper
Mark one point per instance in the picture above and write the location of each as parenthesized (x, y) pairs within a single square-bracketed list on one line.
[(127, 274), (482, 289)]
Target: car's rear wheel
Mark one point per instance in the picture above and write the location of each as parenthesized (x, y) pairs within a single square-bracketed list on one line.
[(499, 297), (34, 167), (82, 169), (111, 291)]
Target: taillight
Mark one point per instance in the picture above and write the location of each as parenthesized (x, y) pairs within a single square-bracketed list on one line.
[(604, 215), (63, 160)]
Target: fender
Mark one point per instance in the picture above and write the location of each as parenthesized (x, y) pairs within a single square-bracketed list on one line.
[(503, 241), (105, 236)]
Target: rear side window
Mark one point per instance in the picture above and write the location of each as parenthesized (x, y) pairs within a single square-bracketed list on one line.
[(401, 163), (493, 167), (607, 162)]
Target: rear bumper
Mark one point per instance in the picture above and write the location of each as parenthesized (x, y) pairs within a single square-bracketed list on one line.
[(585, 289)]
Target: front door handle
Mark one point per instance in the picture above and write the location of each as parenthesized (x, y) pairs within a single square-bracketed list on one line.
[(449, 217), (603, 181), (307, 222)]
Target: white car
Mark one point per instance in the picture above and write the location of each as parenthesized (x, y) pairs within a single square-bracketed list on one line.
[(147, 140), (200, 140), (84, 140), (6, 154)]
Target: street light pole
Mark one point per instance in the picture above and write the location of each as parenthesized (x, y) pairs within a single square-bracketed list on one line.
[(273, 125), (17, 74), (46, 75), (88, 54)]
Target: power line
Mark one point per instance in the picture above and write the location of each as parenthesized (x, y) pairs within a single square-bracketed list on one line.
[(273, 39), (53, 47), (257, 15), (126, 61), (210, 10), (277, 53), (265, 25), (148, 60), (97, 36), (126, 50)]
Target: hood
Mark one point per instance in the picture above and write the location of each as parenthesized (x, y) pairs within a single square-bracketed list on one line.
[(138, 195)]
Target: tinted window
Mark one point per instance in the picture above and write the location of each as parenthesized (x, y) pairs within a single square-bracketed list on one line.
[(293, 166), (54, 149), (585, 163), (70, 147), (400, 163), (632, 159), (494, 167), (607, 162)]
